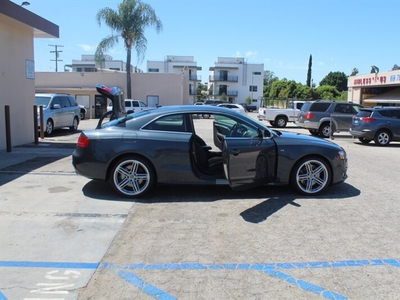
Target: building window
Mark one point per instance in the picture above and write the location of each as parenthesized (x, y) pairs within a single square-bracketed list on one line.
[(253, 88), (154, 70)]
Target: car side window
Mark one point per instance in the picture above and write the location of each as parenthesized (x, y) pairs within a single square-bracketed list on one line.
[(64, 101), (344, 109), (128, 104), (72, 101), (237, 128), (135, 104), (168, 123), (56, 100)]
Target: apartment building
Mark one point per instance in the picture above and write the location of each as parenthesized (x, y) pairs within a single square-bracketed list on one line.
[(88, 64), (178, 64), (236, 80)]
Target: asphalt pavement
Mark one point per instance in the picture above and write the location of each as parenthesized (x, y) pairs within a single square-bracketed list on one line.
[(67, 237)]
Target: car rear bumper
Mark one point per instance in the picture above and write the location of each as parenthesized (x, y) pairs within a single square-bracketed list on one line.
[(367, 134), (307, 124)]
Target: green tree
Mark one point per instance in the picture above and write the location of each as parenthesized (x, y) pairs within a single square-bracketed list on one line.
[(248, 100), (336, 79), (303, 92), (129, 22), (309, 71), (327, 92), (201, 91)]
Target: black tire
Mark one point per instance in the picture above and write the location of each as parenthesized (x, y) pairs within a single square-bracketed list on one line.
[(382, 138), (313, 132), (280, 121), (272, 123), (82, 114), (132, 177), (324, 130), (75, 124), (364, 140), (49, 127), (311, 176)]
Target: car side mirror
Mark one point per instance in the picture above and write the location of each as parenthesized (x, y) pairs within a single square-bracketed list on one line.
[(56, 106), (267, 134)]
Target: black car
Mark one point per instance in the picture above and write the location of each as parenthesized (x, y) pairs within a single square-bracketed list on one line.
[(380, 124), (249, 107)]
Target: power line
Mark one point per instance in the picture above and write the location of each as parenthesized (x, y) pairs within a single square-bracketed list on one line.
[(56, 52)]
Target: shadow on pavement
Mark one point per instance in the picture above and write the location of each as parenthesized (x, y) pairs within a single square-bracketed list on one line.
[(274, 197)]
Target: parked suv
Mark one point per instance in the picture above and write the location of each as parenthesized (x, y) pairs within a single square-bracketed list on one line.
[(381, 124), (316, 116), (59, 110)]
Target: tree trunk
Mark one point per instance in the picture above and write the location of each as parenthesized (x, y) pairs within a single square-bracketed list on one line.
[(128, 75)]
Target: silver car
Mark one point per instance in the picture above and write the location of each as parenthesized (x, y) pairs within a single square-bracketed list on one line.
[(59, 110)]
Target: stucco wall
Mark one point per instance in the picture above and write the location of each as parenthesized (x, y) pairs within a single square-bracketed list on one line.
[(170, 88), (17, 91)]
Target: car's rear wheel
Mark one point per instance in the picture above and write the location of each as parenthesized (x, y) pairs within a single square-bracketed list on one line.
[(325, 130), (382, 138), (49, 127), (311, 175), (132, 177), (280, 122), (82, 114), (364, 140), (75, 123)]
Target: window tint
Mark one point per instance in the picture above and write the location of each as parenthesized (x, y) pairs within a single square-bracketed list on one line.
[(364, 113), (320, 106), (344, 109), (64, 101), (306, 106), (135, 104), (72, 101), (128, 104), (168, 123), (56, 100)]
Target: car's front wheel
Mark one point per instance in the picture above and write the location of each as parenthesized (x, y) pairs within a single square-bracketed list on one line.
[(311, 176), (82, 114), (382, 138), (313, 132), (364, 140), (132, 177)]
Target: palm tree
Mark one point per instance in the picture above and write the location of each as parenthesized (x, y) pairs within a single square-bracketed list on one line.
[(129, 22)]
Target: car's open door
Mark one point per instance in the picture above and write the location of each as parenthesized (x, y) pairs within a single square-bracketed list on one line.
[(249, 162)]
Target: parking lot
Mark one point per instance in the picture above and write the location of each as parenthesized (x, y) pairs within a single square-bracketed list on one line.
[(66, 237)]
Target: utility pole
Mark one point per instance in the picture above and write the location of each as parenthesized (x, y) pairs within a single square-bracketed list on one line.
[(56, 51)]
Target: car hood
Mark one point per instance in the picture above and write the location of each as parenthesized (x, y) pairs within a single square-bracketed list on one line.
[(293, 138)]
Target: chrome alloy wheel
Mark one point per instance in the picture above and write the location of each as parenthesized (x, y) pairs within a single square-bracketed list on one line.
[(311, 176), (131, 177)]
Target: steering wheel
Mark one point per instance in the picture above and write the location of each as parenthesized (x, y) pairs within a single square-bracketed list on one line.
[(238, 130)]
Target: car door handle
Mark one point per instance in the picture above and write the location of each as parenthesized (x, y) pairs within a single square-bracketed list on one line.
[(235, 152)]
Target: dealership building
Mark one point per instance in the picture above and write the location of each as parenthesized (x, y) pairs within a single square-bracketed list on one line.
[(375, 89)]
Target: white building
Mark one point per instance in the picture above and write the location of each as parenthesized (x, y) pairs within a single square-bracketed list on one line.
[(177, 64), (88, 64), (237, 80)]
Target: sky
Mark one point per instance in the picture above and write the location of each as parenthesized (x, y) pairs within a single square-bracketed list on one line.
[(281, 34)]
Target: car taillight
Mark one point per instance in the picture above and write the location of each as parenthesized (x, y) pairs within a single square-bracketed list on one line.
[(368, 119), (309, 116), (83, 141)]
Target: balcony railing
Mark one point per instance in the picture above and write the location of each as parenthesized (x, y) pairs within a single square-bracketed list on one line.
[(194, 78), (224, 78), (220, 93)]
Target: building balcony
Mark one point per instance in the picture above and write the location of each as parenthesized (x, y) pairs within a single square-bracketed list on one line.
[(224, 78), (227, 93), (194, 78)]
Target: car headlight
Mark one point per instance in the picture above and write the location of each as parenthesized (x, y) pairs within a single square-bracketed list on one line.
[(342, 154)]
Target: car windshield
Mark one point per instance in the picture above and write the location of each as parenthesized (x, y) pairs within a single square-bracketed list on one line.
[(42, 101)]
